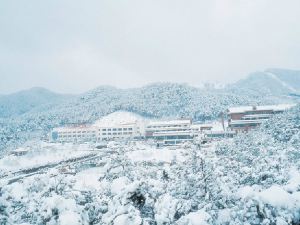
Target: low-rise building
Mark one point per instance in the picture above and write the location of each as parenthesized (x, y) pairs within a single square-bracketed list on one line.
[(198, 129), (170, 132), (75, 133), (245, 118), (98, 132), (132, 130), (165, 126)]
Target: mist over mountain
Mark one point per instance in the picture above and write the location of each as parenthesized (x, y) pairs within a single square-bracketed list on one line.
[(277, 82), (23, 101)]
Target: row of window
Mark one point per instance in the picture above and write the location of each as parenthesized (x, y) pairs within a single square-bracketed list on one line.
[(68, 136), (169, 130), (244, 125), (119, 133), (177, 137), (73, 132), (116, 129), (168, 126), (94, 135)]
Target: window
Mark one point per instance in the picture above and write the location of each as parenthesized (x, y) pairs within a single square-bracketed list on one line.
[(103, 129), (130, 128), (114, 129)]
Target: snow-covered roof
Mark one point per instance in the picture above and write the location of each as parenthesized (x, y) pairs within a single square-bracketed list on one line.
[(119, 118), (19, 150), (201, 125), (75, 127), (219, 132), (242, 109), (170, 133), (169, 122), (239, 122)]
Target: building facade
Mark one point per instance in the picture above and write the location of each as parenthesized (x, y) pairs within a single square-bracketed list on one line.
[(97, 132), (245, 118), (74, 133), (121, 131), (170, 132)]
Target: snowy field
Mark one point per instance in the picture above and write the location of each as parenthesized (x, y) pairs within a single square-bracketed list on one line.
[(42, 154), (141, 184), (252, 179), (156, 155)]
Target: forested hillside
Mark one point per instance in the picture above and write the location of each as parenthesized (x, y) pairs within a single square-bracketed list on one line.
[(155, 100), (252, 179)]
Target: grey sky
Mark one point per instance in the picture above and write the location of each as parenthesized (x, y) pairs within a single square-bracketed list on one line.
[(72, 46)]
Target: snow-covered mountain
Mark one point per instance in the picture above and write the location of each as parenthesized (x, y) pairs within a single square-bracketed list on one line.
[(24, 101), (156, 100), (278, 82), (253, 178)]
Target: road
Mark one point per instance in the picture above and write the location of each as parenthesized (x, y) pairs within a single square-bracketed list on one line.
[(19, 175)]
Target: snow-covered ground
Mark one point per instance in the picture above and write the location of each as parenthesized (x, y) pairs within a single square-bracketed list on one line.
[(43, 154), (152, 154), (89, 179), (252, 179), (124, 190)]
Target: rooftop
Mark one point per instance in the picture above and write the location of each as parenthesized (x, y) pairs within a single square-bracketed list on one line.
[(243, 109), (72, 128), (169, 122)]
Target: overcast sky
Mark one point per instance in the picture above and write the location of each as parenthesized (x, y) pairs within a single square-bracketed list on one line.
[(72, 46)]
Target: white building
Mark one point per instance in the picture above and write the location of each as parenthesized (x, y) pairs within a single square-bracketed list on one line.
[(125, 125), (170, 132), (75, 133), (201, 128), (119, 131), (94, 133), (115, 126), (120, 125)]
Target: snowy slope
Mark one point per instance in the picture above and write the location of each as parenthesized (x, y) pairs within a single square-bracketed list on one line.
[(289, 77), (277, 82), (282, 82), (24, 101)]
